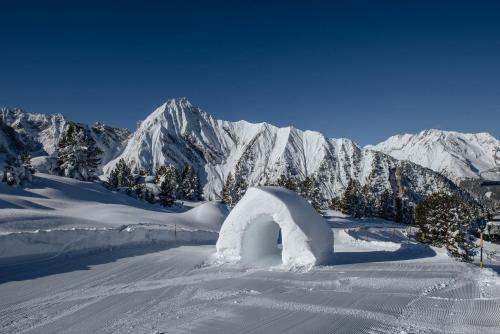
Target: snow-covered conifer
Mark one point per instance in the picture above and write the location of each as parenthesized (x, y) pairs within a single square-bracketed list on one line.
[(77, 154), (444, 220), (121, 176), (18, 170), (228, 191), (351, 202), (169, 186)]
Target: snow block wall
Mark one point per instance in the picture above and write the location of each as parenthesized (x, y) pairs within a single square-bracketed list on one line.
[(251, 231)]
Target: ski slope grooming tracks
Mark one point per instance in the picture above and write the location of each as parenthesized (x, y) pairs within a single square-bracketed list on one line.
[(154, 290)]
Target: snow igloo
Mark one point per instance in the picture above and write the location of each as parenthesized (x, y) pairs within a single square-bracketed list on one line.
[(252, 232)]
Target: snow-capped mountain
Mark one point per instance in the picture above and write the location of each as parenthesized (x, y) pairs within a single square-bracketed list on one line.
[(40, 133), (178, 132), (453, 154)]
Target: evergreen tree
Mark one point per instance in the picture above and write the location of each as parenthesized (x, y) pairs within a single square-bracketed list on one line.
[(310, 191), (240, 188), (228, 191), (121, 176), (368, 202), (307, 187), (18, 170), (386, 205), (139, 190), (189, 184), (77, 154), (160, 174), (335, 204), (399, 209), (169, 186), (26, 164), (444, 219), (351, 202), (287, 182)]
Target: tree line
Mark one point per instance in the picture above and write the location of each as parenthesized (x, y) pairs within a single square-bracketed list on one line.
[(166, 185)]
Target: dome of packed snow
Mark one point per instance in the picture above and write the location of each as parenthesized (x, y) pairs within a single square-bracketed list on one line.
[(272, 225)]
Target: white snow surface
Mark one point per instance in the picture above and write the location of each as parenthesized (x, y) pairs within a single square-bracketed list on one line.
[(369, 288), (57, 215), (453, 154), (250, 232)]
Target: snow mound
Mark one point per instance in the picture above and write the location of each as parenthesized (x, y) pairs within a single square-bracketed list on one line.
[(250, 233), (208, 216)]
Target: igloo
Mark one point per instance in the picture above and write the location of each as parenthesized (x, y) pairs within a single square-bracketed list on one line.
[(251, 231)]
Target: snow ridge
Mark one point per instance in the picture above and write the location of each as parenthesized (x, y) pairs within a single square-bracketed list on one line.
[(453, 154)]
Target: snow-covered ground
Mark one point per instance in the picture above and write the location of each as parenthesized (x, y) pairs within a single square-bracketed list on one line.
[(378, 281), (58, 215)]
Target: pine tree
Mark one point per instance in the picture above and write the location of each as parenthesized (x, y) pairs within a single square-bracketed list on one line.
[(189, 184), (307, 187), (444, 219), (121, 176), (287, 182), (77, 154), (399, 209), (26, 163), (335, 204), (351, 202), (198, 190), (386, 205), (228, 191), (18, 170), (240, 188), (310, 191), (169, 186), (10, 175), (160, 174)]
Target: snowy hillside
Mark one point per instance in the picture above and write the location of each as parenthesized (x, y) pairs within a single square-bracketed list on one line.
[(178, 132), (57, 214), (39, 133), (454, 154)]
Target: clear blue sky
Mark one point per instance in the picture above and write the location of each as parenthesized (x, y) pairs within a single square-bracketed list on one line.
[(358, 69)]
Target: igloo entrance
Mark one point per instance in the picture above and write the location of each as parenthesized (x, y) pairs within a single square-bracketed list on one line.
[(262, 242)]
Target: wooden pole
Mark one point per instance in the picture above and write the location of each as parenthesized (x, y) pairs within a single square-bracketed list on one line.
[(481, 246)]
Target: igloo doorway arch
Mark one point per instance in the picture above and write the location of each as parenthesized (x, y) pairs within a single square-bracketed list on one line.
[(250, 232)]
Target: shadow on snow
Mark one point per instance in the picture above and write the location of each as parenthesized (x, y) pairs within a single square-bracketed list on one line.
[(405, 252), (69, 262)]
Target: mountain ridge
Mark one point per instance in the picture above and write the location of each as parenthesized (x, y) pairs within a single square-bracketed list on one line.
[(455, 154), (179, 132)]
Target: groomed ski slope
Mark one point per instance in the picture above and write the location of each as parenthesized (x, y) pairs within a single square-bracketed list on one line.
[(378, 282)]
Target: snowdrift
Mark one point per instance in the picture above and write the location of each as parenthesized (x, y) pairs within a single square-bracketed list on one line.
[(250, 233)]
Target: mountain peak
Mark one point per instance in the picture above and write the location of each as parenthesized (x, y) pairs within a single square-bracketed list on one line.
[(179, 103)]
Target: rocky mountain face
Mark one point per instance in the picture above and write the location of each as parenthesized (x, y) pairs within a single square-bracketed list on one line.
[(178, 133), (456, 155), (39, 134)]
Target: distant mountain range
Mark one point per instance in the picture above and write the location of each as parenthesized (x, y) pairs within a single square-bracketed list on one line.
[(456, 155), (178, 132)]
